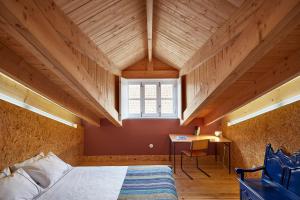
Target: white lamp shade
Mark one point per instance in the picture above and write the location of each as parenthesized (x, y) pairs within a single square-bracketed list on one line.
[(218, 133)]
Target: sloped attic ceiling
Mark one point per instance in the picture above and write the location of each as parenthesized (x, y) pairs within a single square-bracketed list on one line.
[(119, 27)]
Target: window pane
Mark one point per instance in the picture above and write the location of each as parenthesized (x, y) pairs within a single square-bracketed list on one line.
[(134, 91), (150, 91), (150, 106), (134, 106), (166, 106), (166, 91)]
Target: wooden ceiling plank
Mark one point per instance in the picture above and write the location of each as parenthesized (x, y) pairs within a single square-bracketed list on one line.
[(104, 20), (149, 28), (162, 16), (226, 34), (123, 38), (73, 35), (71, 5), (223, 9), (27, 20), (184, 33), (185, 15), (83, 12), (16, 68), (135, 41), (270, 24), (120, 27)]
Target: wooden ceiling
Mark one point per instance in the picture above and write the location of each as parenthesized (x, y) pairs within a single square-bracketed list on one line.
[(119, 27), (74, 49)]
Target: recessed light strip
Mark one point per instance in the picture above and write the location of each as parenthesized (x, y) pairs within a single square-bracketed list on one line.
[(36, 110), (265, 110)]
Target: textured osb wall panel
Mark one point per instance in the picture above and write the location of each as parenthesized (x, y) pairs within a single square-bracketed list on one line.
[(280, 127), (24, 134)]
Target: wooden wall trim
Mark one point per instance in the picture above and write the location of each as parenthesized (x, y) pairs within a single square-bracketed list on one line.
[(151, 74), (26, 20), (16, 68), (272, 22), (154, 69)]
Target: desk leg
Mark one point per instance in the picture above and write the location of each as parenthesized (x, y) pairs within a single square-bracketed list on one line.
[(174, 158), (216, 152), (229, 158), (170, 149)]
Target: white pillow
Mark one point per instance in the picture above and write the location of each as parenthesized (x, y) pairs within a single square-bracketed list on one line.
[(5, 172), (26, 162), (47, 170), (18, 186)]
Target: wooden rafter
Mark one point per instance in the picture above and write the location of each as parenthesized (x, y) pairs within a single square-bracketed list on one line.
[(149, 28), (73, 35), (270, 23), (280, 73), (26, 22), (16, 68), (224, 36)]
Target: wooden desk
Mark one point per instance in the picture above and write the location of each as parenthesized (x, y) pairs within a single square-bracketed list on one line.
[(191, 137)]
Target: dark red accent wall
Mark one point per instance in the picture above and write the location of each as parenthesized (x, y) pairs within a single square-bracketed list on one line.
[(134, 137)]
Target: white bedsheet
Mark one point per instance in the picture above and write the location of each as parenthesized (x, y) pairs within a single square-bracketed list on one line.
[(88, 183)]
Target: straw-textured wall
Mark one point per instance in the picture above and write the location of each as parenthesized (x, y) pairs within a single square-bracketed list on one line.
[(24, 134), (280, 127)]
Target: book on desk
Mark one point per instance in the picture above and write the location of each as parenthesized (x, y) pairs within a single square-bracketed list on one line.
[(181, 137)]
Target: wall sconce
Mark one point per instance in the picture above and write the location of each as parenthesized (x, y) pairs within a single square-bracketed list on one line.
[(218, 133)]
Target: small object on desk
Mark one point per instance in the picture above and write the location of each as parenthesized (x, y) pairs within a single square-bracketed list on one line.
[(218, 133), (197, 131), (181, 137)]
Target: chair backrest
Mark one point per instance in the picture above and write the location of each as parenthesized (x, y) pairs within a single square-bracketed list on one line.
[(282, 168), (199, 145)]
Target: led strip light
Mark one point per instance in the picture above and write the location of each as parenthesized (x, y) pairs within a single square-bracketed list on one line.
[(265, 110), (35, 110)]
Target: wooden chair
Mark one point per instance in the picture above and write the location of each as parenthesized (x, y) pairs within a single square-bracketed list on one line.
[(197, 149)]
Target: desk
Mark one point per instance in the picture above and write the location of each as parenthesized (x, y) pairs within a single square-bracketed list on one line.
[(190, 138)]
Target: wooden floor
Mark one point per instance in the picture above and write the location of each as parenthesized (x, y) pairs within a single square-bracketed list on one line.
[(220, 185)]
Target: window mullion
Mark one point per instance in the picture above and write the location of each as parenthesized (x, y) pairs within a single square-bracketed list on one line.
[(142, 97), (158, 99)]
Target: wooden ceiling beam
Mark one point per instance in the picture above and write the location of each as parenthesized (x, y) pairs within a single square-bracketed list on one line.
[(281, 73), (224, 36), (16, 68), (74, 36), (271, 23), (149, 28), (25, 22)]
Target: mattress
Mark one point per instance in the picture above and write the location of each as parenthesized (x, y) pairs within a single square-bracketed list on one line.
[(114, 183)]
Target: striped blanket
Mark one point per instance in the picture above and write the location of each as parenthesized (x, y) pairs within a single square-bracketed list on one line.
[(153, 182)]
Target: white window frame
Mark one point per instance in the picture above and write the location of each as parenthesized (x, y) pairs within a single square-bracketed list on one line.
[(125, 99)]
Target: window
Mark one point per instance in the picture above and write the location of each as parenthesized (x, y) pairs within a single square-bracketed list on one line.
[(149, 98)]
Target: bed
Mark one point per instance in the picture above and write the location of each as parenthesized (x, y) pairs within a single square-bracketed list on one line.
[(114, 183)]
